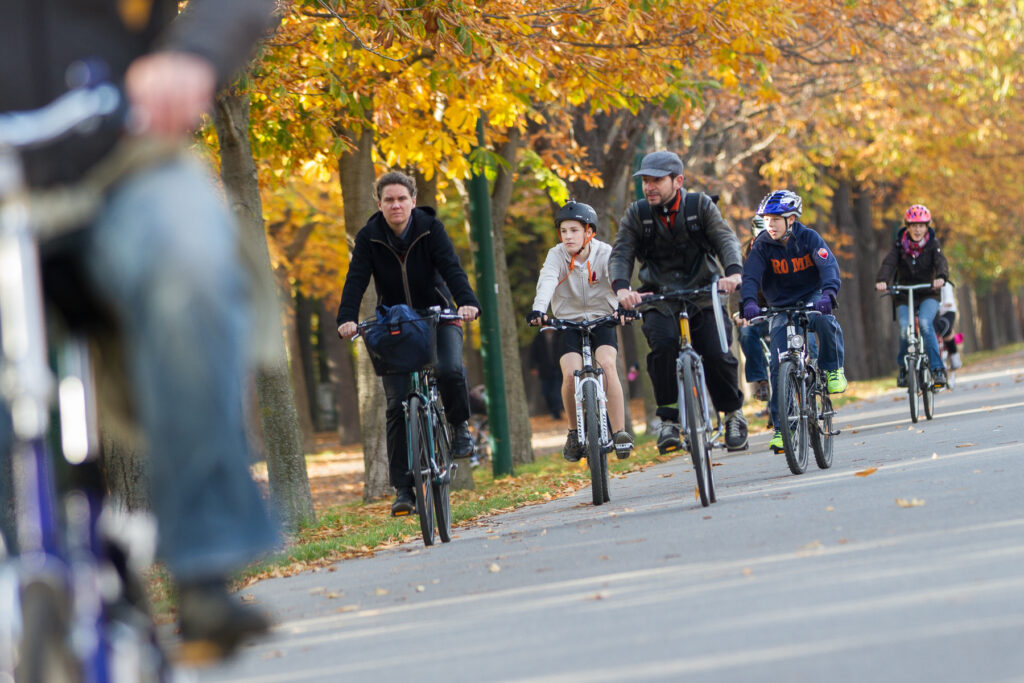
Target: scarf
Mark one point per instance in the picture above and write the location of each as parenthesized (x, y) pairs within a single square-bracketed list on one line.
[(912, 248)]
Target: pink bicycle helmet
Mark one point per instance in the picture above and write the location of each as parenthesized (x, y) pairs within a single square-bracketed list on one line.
[(918, 213)]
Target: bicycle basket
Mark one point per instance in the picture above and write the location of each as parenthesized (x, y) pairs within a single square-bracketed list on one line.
[(401, 340)]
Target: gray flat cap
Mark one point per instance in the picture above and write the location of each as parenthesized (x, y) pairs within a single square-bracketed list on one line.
[(660, 164)]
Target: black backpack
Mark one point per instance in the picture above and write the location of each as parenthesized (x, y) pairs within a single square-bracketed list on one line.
[(690, 215)]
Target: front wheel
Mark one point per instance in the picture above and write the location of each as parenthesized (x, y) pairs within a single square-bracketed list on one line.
[(927, 392), (821, 429), (419, 463), (913, 392), (793, 417), (442, 483), (693, 405), (596, 458)]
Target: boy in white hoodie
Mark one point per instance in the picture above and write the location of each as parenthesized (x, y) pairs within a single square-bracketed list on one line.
[(574, 281)]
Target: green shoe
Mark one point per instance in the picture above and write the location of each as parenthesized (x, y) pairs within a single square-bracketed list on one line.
[(836, 383), (775, 445)]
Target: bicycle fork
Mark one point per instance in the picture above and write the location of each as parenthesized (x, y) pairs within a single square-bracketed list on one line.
[(593, 377)]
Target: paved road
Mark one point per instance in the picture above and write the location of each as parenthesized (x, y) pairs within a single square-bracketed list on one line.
[(821, 577)]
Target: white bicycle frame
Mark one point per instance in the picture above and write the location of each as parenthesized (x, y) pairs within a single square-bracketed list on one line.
[(602, 400)]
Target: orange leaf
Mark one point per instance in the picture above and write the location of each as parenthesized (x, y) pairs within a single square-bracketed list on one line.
[(864, 473)]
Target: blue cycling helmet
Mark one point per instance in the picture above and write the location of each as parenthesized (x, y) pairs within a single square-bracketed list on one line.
[(781, 203)]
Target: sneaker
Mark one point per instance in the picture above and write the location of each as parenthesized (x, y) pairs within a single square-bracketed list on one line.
[(735, 431), (214, 623), (776, 445), (573, 450), (955, 363), (462, 441), (939, 377), (623, 444), (405, 502), (836, 383), (763, 392), (668, 437), (901, 379)]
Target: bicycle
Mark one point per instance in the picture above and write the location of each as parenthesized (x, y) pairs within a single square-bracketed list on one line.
[(591, 405), (428, 434), (694, 411), (804, 409), (71, 606), (920, 383)]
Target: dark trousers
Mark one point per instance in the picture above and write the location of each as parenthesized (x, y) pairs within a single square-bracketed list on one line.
[(721, 370), (451, 382), (551, 387)]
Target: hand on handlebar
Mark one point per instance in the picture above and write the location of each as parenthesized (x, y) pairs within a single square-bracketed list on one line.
[(347, 330), (628, 298), (730, 284), (469, 312), (881, 286), (536, 318), (751, 310)]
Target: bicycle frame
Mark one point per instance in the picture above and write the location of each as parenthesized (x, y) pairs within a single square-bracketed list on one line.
[(423, 384)]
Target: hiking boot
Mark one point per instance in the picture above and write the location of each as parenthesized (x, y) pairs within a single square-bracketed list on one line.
[(735, 431), (213, 623), (901, 379), (623, 444), (668, 437), (462, 441), (573, 449), (836, 381), (776, 445), (763, 391), (955, 363), (939, 377), (405, 502)]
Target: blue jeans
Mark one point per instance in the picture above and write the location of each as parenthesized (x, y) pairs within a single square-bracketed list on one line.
[(829, 350), (756, 368), (926, 310), (163, 255)]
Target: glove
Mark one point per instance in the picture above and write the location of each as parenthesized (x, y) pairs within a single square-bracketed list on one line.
[(757, 225), (750, 309), (534, 318), (824, 304)]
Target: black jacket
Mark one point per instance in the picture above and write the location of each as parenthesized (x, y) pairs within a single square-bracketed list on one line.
[(41, 38), (674, 260), (417, 278), (931, 264)]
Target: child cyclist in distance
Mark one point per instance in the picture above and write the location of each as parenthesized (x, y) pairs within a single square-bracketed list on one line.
[(574, 281), (791, 263)]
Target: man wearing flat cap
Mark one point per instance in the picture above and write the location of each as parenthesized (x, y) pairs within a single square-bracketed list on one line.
[(681, 241)]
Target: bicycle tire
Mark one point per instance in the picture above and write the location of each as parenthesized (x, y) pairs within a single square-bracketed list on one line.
[(595, 453), (792, 414), (821, 429), (420, 465), (927, 392), (695, 432), (45, 652), (912, 392), (442, 484)]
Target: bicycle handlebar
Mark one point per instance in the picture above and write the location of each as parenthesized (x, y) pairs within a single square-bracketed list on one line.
[(37, 127), (561, 324), (688, 296), (895, 289), (442, 314), (769, 312)]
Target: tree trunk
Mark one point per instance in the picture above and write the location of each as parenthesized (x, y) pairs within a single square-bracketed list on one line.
[(849, 312), (520, 432), (124, 468), (297, 364), (307, 356), (286, 465), (874, 314), (340, 373), (357, 175)]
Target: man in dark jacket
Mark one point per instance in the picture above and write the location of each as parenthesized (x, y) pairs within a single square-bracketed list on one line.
[(162, 256), (672, 256), (916, 258), (412, 261)]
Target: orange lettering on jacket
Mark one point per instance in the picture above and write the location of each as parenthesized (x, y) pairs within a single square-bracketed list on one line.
[(780, 266), (802, 263)]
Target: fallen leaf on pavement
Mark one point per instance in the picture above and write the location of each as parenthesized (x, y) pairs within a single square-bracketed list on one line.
[(912, 503), (965, 445), (347, 608), (494, 568), (420, 589), (382, 591), (935, 456), (864, 473), (333, 595), (248, 597), (829, 509), (666, 475)]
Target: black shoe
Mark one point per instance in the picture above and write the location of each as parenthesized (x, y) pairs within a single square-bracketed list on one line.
[(901, 379), (405, 503), (462, 441), (573, 449), (939, 377), (735, 431), (214, 623), (668, 438), (623, 444), (763, 392)]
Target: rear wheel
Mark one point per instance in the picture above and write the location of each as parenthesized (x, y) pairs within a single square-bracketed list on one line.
[(420, 465), (793, 418), (695, 433), (596, 457), (927, 392), (443, 483), (912, 391), (821, 429)]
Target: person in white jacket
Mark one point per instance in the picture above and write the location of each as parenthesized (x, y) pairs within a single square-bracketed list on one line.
[(574, 282)]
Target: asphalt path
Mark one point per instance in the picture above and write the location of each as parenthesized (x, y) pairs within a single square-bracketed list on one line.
[(903, 562)]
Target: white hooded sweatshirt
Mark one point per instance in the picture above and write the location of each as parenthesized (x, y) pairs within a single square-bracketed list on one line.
[(583, 294)]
